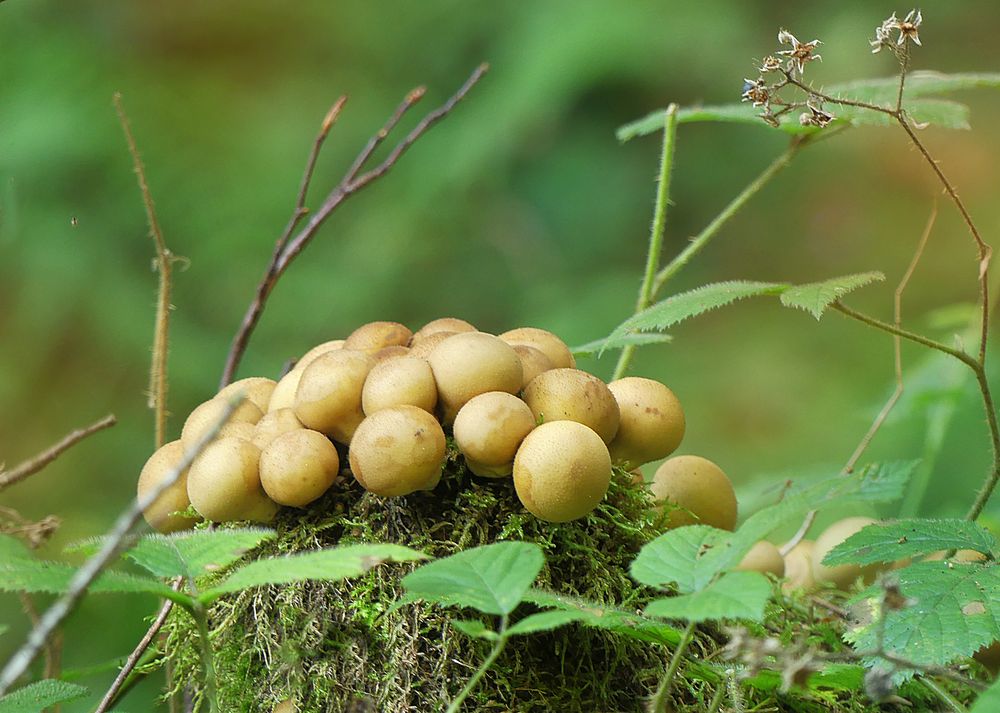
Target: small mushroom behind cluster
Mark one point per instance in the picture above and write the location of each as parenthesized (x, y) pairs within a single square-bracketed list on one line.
[(696, 491), (844, 575)]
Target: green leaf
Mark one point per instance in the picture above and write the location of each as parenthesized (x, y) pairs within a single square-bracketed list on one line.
[(956, 611), (600, 345), (685, 305), (544, 621), (27, 575), (918, 84), (37, 696), (600, 616), (475, 629), (689, 557), (12, 548), (491, 578), (329, 565), (734, 595), (989, 700), (192, 553), (837, 677), (817, 296), (888, 542)]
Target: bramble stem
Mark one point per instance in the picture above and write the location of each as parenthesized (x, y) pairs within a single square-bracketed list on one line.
[(659, 702), (498, 646), (205, 649), (656, 230), (946, 698)]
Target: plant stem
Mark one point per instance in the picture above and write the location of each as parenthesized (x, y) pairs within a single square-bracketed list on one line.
[(946, 698), (716, 703), (498, 646), (200, 615), (656, 230), (659, 703)]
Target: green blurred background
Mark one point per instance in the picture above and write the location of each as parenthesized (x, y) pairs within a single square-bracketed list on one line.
[(519, 209)]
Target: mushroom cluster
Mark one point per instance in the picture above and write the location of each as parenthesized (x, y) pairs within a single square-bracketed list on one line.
[(383, 403)]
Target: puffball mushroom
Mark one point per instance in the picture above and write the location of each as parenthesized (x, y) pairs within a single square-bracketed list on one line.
[(562, 471), (391, 352), (298, 467), (573, 395), (256, 389), (533, 362), (427, 344), (401, 381), (207, 415), (161, 514), (398, 451), (799, 567), (651, 424), (841, 576), (224, 483), (702, 493), (307, 358), (283, 395), (546, 342), (328, 397), (374, 336), (274, 424), (489, 429), (452, 325), (473, 363), (763, 557)]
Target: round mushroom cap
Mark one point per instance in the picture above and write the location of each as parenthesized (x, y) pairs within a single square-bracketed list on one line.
[(700, 491), (763, 557), (298, 467), (372, 337), (799, 567), (489, 429), (207, 415), (398, 451), (161, 514), (844, 575), (387, 353), (274, 424), (328, 398), (651, 424), (573, 395), (426, 345), (473, 363), (562, 471), (533, 362), (962, 556), (451, 325), (224, 482), (306, 359), (404, 381), (284, 393), (546, 342), (256, 389)]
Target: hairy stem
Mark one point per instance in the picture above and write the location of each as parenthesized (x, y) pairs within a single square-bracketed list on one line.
[(200, 615), (659, 702), (656, 230), (498, 646), (946, 698)]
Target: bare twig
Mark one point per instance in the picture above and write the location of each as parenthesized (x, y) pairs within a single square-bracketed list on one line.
[(157, 398), (138, 651), (33, 465), (288, 248), (92, 568)]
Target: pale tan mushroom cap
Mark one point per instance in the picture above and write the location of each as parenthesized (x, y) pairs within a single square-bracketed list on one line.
[(799, 567), (403, 381), (426, 345), (763, 557), (452, 325), (297, 467), (274, 424), (573, 395), (328, 398), (699, 488), (307, 358), (397, 451), (562, 471), (284, 393), (489, 429), (842, 576), (205, 416), (393, 352), (472, 363), (224, 482), (160, 515), (651, 424), (374, 336), (256, 389), (544, 341), (533, 362)]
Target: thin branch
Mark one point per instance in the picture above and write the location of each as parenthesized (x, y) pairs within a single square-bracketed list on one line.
[(138, 651), (157, 399), (498, 647), (33, 465), (656, 229), (111, 547), (661, 697), (351, 183)]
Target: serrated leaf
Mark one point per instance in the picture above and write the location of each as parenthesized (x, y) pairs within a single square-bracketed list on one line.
[(544, 621), (600, 345), (685, 305), (689, 557), (491, 578), (40, 695), (920, 83), (601, 616), (192, 553), (12, 548), (837, 677), (27, 575), (989, 700), (475, 629), (734, 595), (815, 297), (329, 565), (888, 542), (956, 611)]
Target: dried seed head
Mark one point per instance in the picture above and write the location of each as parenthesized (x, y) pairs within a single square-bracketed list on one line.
[(909, 28), (756, 91), (800, 54), (815, 117)]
